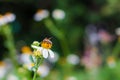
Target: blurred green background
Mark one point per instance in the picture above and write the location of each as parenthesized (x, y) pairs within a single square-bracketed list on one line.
[(85, 36)]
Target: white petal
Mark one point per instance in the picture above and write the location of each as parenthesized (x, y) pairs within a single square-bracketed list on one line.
[(36, 47), (40, 48), (45, 53), (51, 53)]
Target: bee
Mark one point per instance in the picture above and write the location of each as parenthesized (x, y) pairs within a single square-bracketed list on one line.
[(46, 43)]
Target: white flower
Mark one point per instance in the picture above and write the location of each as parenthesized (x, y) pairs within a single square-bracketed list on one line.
[(46, 44), (9, 17), (73, 59), (117, 31), (55, 59), (25, 58), (45, 52), (2, 20), (111, 62), (3, 71), (58, 14), (12, 77), (41, 14), (112, 65), (43, 70)]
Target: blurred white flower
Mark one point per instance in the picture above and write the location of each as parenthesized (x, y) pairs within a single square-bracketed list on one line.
[(12, 77), (73, 59), (9, 17), (3, 70), (2, 20), (55, 59), (91, 34), (43, 70), (58, 14), (93, 38), (24, 58), (41, 14), (111, 62), (117, 31), (5, 66)]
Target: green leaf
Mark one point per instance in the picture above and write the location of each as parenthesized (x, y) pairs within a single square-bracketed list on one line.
[(31, 58)]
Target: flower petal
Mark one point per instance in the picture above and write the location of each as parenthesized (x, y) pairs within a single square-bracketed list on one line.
[(36, 47), (51, 53), (45, 53), (40, 48)]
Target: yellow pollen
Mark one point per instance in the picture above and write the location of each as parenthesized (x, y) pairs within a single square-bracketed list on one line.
[(46, 45), (37, 53), (32, 64)]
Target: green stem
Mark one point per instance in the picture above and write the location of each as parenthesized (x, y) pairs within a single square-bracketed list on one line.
[(35, 74), (9, 43), (116, 49), (38, 62), (58, 34)]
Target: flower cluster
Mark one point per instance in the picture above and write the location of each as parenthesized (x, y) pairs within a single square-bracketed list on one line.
[(44, 49), (41, 14), (41, 50)]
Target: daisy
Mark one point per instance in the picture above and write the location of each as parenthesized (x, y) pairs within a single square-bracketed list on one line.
[(46, 44), (58, 14), (43, 70), (41, 14)]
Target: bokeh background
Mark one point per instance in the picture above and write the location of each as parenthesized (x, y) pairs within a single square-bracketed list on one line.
[(85, 36)]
